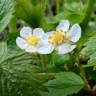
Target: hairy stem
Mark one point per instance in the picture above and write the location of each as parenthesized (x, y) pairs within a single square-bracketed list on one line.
[(44, 62), (83, 75)]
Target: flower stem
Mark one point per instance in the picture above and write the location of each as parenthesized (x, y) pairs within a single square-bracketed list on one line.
[(44, 61), (83, 75)]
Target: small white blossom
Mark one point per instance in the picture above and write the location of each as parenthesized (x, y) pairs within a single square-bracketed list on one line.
[(63, 39), (33, 41)]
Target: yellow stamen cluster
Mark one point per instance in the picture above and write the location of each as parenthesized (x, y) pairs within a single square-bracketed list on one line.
[(58, 38), (32, 40)]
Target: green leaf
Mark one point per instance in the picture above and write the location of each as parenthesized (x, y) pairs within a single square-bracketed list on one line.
[(64, 84), (60, 60), (70, 1), (3, 51), (71, 10), (6, 11), (89, 51), (18, 72), (92, 61), (90, 47), (74, 10), (31, 14)]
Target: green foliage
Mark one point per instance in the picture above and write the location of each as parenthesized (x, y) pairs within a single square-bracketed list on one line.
[(90, 51), (88, 12), (31, 14), (64, 84), (3, 51), (71, 10), (74, 10), (61, 60), (17, 72), (21, 74), (6, 12), (71, 1)]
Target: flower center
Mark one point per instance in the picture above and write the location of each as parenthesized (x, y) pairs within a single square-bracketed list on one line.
[(33, 40), (58, 38)]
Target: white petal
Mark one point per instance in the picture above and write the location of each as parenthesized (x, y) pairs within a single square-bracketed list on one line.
[(46, 49), (49, 33), (63, 26), (21, 43), (25, 32), (75, 33), (38, 32), (44, 40), (31, 49), (65, 48)]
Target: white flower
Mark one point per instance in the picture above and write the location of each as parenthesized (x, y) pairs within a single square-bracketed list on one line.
[(33, 41), (64, 39)]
